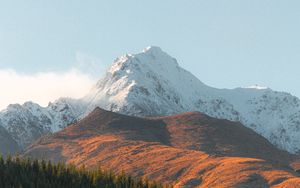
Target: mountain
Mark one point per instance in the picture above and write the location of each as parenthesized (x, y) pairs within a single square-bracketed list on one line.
[(151, 83), (186, 150), (25, 123)]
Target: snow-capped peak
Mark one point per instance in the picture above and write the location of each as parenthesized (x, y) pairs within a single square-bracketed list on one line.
[(150, 73), (151, 83), (154, 50), (151, 56), (154, 58)]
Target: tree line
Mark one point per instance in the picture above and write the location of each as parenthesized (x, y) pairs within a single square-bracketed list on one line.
[(25, 173)]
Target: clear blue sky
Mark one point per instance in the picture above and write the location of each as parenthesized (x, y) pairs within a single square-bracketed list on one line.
[(226, 44)]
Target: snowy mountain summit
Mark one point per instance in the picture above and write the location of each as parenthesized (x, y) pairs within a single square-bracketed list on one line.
[(151, 83)]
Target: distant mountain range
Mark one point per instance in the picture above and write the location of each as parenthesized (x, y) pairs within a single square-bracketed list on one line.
[(151, 83), (185, 150)]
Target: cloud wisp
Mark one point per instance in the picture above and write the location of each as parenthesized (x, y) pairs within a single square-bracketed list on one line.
[(42, 87)]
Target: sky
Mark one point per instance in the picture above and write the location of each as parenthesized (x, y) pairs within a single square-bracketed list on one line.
[(59, 48)]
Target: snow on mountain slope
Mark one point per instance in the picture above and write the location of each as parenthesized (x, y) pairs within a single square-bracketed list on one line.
[(275, 115), (151, 83), (29, 121)]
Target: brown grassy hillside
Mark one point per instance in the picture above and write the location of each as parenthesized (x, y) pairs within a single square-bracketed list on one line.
[(186, 150)]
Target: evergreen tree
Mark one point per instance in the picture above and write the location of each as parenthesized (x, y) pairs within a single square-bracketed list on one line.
[(24, 173)]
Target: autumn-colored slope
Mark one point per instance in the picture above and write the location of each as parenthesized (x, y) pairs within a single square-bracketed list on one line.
[(186, 150)]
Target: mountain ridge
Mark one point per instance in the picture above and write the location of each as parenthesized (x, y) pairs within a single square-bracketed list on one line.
[(152, 83)]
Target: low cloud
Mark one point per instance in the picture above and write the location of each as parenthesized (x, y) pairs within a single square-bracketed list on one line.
[(45, 87), (42, 87)]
